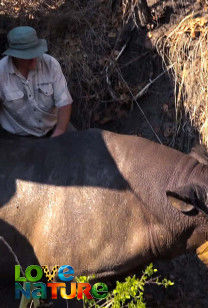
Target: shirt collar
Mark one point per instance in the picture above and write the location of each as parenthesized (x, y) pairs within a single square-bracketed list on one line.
[(11, 68)]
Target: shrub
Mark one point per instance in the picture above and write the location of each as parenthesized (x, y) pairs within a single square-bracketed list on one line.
[(128, 293)]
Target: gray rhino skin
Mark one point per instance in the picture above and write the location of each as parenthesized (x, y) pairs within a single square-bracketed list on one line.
[(101, 202)]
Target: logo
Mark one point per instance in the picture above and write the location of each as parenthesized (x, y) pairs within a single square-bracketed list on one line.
[(31, 286)]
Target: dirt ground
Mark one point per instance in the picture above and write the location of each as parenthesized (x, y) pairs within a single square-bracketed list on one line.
[(152, 117)]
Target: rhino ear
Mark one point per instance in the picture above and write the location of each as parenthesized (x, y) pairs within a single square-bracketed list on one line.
[(188, 198), (199, 152)]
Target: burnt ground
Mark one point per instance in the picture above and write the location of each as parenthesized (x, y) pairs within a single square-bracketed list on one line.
[(154, 117)]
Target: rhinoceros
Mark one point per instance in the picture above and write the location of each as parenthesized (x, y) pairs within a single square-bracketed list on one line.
[(101, 202)]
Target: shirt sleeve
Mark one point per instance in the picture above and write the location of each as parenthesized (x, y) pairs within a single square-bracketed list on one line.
[(62, 97)]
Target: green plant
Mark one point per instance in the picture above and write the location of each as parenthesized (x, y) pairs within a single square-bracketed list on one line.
[(128, 293)]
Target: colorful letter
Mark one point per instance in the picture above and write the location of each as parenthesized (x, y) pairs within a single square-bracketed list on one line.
[(62, 274), (73, 292), (38, 276), (41, 292), (86, 291), (101, 288), (54, 286), (17, 274), (19, 289), (50, 276)]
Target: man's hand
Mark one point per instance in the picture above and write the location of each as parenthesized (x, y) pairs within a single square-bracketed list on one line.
[(64, 114), (57, 132)]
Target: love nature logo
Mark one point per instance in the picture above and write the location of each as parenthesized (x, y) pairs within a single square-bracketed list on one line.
[(33, 288)]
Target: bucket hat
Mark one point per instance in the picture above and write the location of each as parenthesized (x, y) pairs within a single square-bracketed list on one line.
[(24, 43)]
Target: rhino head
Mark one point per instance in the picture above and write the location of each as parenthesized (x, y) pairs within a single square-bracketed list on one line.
[(192, 199)]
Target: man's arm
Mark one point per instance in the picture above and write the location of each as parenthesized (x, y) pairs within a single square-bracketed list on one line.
[(64, 114)]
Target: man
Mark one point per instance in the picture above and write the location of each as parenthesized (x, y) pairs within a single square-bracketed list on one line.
[(33, 91)]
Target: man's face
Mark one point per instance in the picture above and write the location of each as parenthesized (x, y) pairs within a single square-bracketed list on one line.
[(26, 64)]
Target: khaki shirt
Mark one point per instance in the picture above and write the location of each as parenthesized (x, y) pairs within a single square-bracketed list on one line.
[(29, 106)]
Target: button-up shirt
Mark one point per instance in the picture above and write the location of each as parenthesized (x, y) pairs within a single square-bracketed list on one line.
[(30, 106)]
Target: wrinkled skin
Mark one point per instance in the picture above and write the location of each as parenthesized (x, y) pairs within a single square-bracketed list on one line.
[(101, 202)]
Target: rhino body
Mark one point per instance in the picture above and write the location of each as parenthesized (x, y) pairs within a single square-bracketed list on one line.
[(101, 202)]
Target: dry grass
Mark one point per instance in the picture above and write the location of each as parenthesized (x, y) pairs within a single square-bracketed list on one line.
[(186, 46)]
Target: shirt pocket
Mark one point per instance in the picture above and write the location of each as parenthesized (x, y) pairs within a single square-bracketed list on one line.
[(14, 99), (45, 99), (13, 95)]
